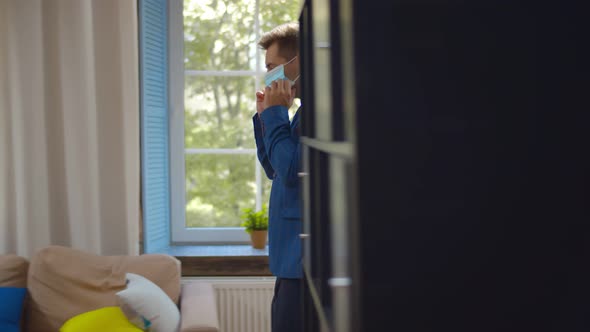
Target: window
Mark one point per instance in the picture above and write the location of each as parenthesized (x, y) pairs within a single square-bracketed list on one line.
[(215, 69)]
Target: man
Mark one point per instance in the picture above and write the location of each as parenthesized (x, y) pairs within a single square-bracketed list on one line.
[(277, 142)]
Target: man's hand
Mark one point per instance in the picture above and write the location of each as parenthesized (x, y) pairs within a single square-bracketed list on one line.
[(259, 102), (278, 93)]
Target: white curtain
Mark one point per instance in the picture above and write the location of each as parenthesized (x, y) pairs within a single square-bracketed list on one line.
[(69, 126)]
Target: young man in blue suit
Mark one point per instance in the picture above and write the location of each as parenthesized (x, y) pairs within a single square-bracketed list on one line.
[(277, 141)]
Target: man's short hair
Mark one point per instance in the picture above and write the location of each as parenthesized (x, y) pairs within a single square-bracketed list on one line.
[(287, 37)]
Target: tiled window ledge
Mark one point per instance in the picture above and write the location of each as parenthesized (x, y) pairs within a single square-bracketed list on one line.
[(220, 260)]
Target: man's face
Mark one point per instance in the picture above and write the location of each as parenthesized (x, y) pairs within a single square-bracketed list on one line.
[(273, 59)]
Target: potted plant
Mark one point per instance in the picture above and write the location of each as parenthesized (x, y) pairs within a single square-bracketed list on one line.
[(256, 224)]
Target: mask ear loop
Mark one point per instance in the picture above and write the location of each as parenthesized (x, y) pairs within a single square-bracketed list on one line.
[(288, 62)]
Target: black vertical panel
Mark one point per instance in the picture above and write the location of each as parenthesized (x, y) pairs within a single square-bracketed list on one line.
[(322, 228), (473, 193), (316, 214), (306, 65), (336, 73)]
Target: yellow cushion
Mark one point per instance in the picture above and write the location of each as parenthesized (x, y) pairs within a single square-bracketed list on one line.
[(109, 319)]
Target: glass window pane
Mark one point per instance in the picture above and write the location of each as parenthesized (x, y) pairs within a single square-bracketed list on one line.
[(266, 184), (218, 187), (275, 12), (219, 35), (218, 112)]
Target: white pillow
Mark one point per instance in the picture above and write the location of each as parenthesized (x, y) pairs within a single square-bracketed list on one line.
[(147, 306)]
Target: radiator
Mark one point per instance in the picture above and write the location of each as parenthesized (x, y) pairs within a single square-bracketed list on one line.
[(243, 304)]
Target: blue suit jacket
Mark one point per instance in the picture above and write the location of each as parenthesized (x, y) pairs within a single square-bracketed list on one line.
[(279, 152)]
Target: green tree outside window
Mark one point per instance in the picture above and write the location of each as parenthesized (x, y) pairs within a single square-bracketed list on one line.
[(221, 36)]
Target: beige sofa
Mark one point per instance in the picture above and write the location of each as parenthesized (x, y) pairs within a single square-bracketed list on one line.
[(63, 282)]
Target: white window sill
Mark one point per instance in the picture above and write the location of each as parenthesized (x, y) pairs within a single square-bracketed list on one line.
[(229, 250)]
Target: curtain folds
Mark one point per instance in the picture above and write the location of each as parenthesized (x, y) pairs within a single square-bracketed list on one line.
[(69, 126)]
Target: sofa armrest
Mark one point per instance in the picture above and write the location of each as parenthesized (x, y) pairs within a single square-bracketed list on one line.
[(198, 308)]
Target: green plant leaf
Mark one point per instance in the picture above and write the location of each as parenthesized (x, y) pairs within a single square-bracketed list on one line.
[(255, 220)]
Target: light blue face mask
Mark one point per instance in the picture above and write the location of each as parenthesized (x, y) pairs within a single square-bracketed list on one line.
[(278, 73)]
